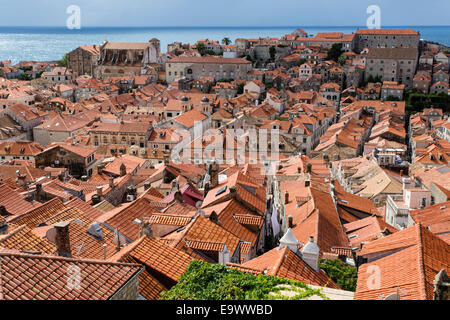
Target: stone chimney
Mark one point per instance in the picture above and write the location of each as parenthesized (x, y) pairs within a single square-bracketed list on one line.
[(100, 168), (123, 170), (214, 174), (310, 254), (146, 229), (111, 182), (178, 196), (224, 256), (62, 239), (100, 191)]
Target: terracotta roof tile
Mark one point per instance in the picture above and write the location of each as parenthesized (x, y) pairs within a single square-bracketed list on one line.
[(33, 277)]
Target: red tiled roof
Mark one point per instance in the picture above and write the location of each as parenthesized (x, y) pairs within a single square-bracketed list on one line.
[(23, 239), (409, 271), (33, 277)]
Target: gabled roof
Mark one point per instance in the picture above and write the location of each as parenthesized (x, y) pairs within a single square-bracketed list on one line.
[(23, 239), (366, 230), (124, 220), (13, 201), (409, 270), (36, 277)]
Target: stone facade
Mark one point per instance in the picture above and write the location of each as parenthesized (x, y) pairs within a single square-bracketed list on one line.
[(119, 59), (83, 60), (386, 38), (198, 67), (130, 291), (398, 64)]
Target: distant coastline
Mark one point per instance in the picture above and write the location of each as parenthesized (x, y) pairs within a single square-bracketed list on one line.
[(51, 43)]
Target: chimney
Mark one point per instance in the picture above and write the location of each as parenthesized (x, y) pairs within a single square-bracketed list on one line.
[(100, 191), (289, 240), (178, 196), (21, 178), (146, 229), (38, 191), (310, 254), (291, 221), (233, 192), (3, 227), (62, 239), (147, 185), (286, 197), (3, 211), (100, 168), (96, 199), (123, 170), (401, 173), (224, 256), (308, 168), (111, 182), (166, 159), (214, 174), (213, 217)]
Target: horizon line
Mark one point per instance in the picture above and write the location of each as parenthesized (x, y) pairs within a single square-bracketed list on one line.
[(234, 26)]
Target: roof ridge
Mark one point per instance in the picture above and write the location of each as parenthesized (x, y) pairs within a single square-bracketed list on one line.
[(60, 258), (280, 262), (421, 263)]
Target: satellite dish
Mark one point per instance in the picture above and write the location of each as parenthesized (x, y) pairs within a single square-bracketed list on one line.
[(51, 235), (198, 204), (393, 296)]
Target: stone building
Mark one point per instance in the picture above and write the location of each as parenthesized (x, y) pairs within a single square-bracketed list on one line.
[(392, 64), (104, 134), (119, 59), (208, 66), (83, 60), (386, 38), (79, 160)]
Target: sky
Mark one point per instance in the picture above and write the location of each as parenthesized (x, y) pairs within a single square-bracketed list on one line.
[(225, 13)]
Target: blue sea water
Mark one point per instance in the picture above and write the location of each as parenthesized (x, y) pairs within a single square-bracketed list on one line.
[(51, 43)]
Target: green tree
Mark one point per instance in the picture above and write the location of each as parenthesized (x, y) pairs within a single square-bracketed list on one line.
[(201, 47), (301, 61), (343, 274), (64, 60), (226, 41), (335, 52), (240, 88), (342, 59), (204, 281)]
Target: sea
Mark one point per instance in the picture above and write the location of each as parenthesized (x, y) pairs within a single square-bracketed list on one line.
[(51, 43)]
